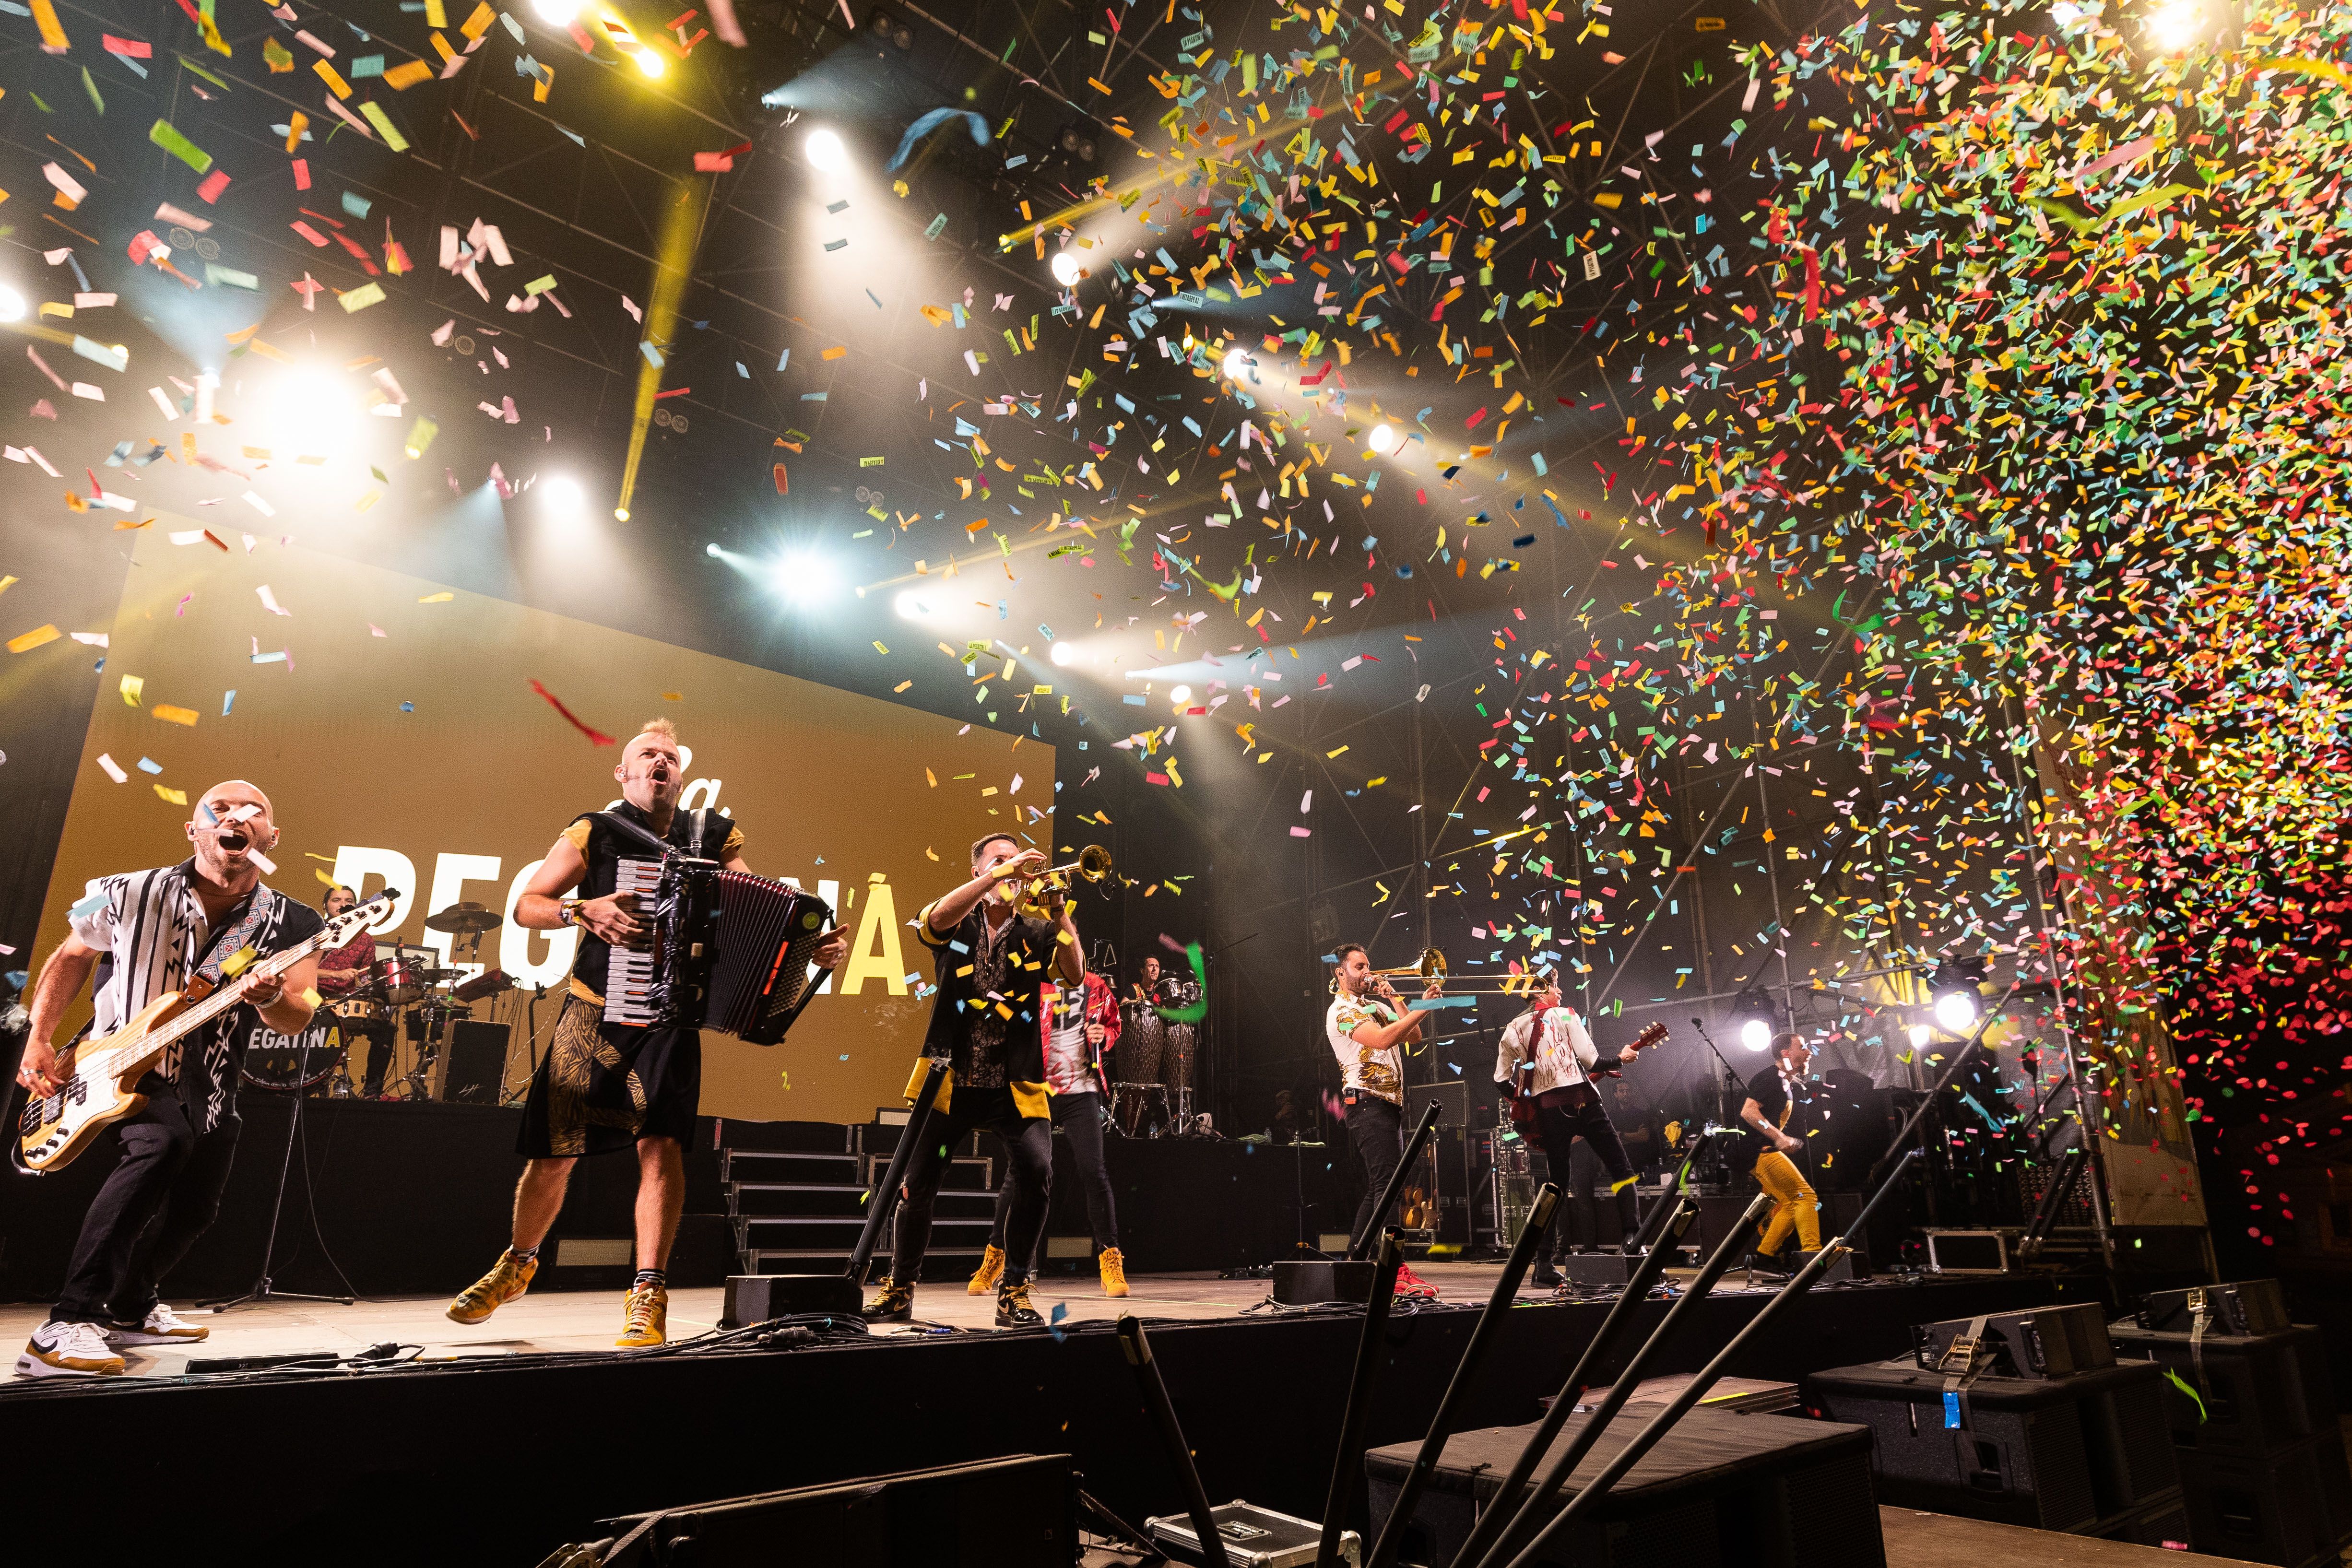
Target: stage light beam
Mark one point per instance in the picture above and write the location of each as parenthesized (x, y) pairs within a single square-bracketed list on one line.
[(12, 304), (1065, 654), (806, 577), (563, 496), (1067, 270), (826, 152), (1756, 1034), (1382, 440), (1955, 1011)]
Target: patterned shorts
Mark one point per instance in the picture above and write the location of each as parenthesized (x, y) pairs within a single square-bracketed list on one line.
[(601, 1087)]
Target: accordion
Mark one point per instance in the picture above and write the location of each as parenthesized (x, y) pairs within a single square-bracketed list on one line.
[(730, 951)]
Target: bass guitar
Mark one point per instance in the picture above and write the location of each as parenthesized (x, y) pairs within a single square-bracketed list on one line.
[(1520, 1092), (53, 1129)]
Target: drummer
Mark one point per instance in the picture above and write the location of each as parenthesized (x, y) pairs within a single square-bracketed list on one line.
[(348, 973)]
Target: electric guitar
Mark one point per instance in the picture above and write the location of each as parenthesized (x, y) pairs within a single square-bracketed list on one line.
[(53, 1130), (1520, 1091)]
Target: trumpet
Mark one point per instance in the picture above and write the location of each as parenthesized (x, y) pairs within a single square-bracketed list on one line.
[(1093, 864)]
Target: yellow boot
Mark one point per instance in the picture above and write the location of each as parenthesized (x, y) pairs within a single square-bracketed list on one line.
[(992, 1269), (1114, 1271)]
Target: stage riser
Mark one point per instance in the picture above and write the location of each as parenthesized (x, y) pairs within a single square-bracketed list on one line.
[(403, 1464)]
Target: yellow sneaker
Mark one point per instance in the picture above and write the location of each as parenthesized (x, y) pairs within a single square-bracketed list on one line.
[(992, 1269), (644, 1321), (1114, 1271), (507, 1278)]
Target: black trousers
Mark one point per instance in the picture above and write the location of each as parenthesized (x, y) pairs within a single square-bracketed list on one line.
[(1566, 1117), (1376, 1126), (378, 1034), (1080, 1119), (154, 1205), (1029, 1151)]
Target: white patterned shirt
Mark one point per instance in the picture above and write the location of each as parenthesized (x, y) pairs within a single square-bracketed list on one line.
[(1363, 1068)]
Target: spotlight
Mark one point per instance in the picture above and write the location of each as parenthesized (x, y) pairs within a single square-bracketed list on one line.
[(12, 304), (563, 496), (2174, 26), (652, 64), (1064, 654), (884, 25), (1757, 1018), (556, 13), (824, 151), (1076, 141), (620, 514), (913, 605), (1179, 696), (1067, 270), (711, 550), (1237, 361), (1382, 440), (1953, 984), (312, 413), (806, 577)]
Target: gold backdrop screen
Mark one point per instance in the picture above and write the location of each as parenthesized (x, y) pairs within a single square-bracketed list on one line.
[(402, 744)]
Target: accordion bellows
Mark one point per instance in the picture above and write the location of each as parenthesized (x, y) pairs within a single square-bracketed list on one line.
[(730, 951)]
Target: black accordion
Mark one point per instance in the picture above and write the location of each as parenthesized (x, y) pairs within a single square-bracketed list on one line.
[(730, 951)]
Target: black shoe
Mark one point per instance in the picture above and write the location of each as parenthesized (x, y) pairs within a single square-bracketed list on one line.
[(1013, 1308), (892, 1303), (1547, 1275)]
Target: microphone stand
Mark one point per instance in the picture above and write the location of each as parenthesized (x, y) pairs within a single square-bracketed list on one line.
[(1731, 1079)]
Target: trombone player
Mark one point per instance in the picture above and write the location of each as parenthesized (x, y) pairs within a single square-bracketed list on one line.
[(1367, 1031)]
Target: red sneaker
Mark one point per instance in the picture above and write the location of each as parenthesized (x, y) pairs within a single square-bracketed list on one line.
[(1410, 1284)]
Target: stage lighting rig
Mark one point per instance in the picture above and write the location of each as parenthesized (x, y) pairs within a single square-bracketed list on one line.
[(883, 25), (1067, 270), (1076, 141), (1953, 985)]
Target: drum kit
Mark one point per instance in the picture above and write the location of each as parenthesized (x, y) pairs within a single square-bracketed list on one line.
[(1153, 1092), (406, 983)]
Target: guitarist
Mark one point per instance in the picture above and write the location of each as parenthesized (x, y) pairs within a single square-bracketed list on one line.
[(171, 929), (1546, 1061)]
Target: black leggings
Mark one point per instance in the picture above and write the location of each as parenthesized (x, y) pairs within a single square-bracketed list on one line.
[(1029, 1151), (1079, 1117), (154, 1205)]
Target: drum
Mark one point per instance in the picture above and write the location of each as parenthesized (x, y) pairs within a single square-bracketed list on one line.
[(401, 976), (1135, 1064), (364, 1008), (294, 1064), (1176, 1060)]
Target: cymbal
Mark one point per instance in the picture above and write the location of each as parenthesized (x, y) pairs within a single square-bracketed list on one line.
[(439, 976), (464, 919)]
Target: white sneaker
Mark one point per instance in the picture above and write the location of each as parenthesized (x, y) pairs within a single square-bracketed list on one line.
[(68, 1350), (161, 1326)]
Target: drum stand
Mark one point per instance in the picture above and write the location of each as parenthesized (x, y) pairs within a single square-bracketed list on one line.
[(263, 1289)]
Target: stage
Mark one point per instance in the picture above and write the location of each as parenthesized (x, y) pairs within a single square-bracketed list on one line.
[(520, 1433)]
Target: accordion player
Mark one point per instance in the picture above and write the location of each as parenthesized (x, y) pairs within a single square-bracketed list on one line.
[(730, 951)]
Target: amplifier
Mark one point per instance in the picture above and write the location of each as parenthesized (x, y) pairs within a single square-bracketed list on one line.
[(2246, 1307), (2037, 1342), (1020, 1511), (2074, 1454), (477, 1062), (1315, 1280)]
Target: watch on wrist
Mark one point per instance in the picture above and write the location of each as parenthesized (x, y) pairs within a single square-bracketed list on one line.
[(569, 909)]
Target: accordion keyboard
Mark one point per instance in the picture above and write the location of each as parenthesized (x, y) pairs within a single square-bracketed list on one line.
[(629, 971)]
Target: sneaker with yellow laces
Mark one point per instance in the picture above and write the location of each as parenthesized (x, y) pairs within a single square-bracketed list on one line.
[(1013, 1308), (507, 1278), (645, 1317), (1114, 1271), (990, 1270)]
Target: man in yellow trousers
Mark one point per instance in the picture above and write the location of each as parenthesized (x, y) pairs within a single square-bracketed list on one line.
[(1772, 1095)]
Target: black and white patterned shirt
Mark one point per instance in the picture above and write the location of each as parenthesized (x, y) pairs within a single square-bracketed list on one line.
[(152, 931)]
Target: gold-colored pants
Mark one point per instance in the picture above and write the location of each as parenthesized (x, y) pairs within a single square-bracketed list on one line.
[(1794, 1205)]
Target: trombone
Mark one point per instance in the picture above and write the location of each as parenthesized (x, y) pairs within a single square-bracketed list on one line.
[(1093, 864)]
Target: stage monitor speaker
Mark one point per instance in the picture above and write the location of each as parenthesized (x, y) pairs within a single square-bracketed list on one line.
[(1717, 1488), (1314, 1281), (2039, 1343), (2243, 1393), (2289, 1507), (756, 1298), (2073, 1454), (1020, 1511), (477, 1062), (1612, 1270), (2246, 1307), (1452, 1103)]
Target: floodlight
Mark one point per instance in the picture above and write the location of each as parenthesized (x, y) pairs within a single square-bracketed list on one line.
[(826, 151)]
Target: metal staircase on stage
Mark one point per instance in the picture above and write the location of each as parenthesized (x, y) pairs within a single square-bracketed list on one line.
[(796, 1196)]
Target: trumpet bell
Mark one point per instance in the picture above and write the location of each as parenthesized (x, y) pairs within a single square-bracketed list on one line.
[(1093, 862), (1433, 963)]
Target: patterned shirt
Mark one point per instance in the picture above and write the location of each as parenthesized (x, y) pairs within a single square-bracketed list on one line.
[(1072, 1061), (1363, 1069), (154, 932), (1563, 1051), (343, 969)]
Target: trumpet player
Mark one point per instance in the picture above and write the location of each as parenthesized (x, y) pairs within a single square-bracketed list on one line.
[(985, 1024), (1367, 1031)]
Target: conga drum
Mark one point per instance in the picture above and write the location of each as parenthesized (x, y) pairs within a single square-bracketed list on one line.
[(1135, 1064)]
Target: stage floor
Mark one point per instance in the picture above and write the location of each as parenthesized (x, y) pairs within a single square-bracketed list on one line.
[(574, 1320)]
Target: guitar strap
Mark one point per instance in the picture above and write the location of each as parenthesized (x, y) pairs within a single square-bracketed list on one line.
[(235, 938)]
